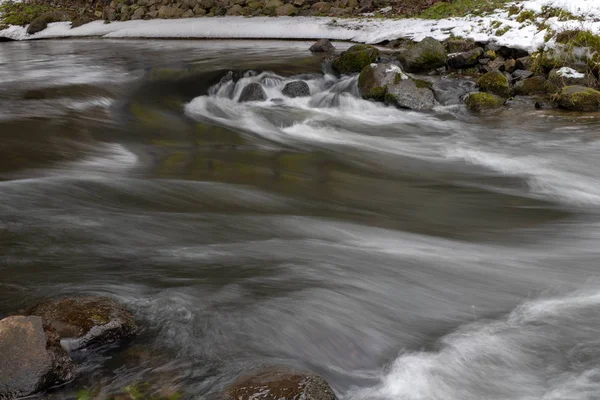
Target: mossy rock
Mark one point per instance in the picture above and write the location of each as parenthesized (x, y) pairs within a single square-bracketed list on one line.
[(41, 23), (558, 78), (410, 94), (579, 98), (427, 55), (530, 86), (482, 101), (466, 59), (494, 82), (355, 59), (375, 78), (86, 321)]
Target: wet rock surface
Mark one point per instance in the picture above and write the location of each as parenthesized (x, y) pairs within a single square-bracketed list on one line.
[(30, 358), (410, 95), (355, 59), (253, 92), (322, 46), (296, 89), (280, 384), (86, 321), (375, 79)]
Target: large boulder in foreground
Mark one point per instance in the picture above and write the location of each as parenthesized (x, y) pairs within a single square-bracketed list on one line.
[(410, 94), (481, 101), (374, 80), (427, 55), (280, 384), (579, 98), (494, 82), (253, 92), (30, 359), (86, 321), (355, 59)]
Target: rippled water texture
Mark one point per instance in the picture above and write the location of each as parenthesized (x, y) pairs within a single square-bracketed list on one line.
[(401, 255)]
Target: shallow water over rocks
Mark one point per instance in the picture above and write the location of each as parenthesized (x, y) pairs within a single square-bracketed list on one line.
[(398, 254)]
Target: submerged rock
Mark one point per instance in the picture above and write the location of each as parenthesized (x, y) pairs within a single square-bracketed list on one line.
[(481, 101), (427, 55), (322, 46), (465, 59), (374, 80), (296, 89), (451, 91), (579, 98), (30, 358), (355, 59), (280, 384), (410, 94), (494, 82), (86, 321), (253, 92)]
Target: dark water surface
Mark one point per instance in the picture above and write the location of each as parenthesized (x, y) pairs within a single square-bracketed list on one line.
[(401, 255)]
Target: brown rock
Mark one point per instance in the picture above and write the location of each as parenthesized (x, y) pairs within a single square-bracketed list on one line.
[(86, 321), (286, 10), (30, 359), (280, 384), (167, 12), (235, 10), (510, 65), (322, 46)]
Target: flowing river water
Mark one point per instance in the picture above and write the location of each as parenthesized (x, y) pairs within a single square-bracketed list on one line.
[(401, 255)]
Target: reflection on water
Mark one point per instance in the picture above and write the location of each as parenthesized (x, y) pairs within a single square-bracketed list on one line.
[(399, 254)]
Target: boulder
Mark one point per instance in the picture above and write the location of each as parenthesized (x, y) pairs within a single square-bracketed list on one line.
[(86, 321), (168, 12), (579, 98), (190, 14), (374, 80), (270, 6), (481, 101), (79, 21), (465, 59), (207, 4), (286, 10), (521, 74), (31, 360), (296, 89), (494, 82), (355, 59), (41, 22), (138, 13), (322, 46), (530, 86), (410, 94), (280, 384), (253, 92), (427, 55), (459, 45), (524, 63), (451, 91), (510, 65), (565, 76), (235, 10), (509, 52)]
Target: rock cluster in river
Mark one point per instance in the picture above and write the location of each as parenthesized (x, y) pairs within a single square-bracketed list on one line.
[(408, 76)]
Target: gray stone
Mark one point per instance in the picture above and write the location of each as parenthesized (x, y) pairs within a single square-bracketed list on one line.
[(280, 384), (451, 91), (167, 12), (322, 46), (374, 80), (253, 92), (466, 59), (139, 13), (530, 86), (406, 94), (296, 89), (521, 74), (30, 360)]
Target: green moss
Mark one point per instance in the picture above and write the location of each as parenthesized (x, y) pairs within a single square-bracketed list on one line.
[(494, 82), (491, 54), (496, 24), (22, 13), (514, 10), (421, 84), (461, 8), (502, 32), (481, 101), (85, 395), (579, 38), (562, 15), (579, 98), (355, 59), (529, 86), (527, 15)]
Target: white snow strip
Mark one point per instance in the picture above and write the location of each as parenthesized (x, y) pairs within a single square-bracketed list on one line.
[(364, 30), (567, 72)]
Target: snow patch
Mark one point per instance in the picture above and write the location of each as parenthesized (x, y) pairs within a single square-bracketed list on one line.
[(567, 72)]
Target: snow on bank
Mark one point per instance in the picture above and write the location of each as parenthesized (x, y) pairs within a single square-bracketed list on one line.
[(525, 35)]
